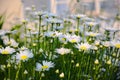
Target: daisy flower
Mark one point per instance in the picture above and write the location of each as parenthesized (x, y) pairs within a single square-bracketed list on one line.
[(94, 48), (10, 42), (50, 34), (78, 16), (111, 29), (58, 27), (52, 15), (45, 66), (7, 50), (116, 44), (39, 13), (72, 30), (52, 20), (24, 55), (2, 32), (63, 51), (97, 42), (23, 48), (87, 19), (91, 24), (83, 46), (28, 9), (62, 38), (106, 43), (73, 38), (92, 34)]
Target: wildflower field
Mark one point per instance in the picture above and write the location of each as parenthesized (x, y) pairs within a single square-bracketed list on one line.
[(45, 46)]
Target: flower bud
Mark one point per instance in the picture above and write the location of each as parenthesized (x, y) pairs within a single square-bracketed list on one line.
[(57, 71), (77, 65), (114, 54), (101, 46), (25, 72), (42, 75), (61, 75), (108, 62), (34, 44), (72, 61), (96, 61), (8, 65), (24, 21)]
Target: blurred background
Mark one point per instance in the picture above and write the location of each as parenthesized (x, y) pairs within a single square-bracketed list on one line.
[(107, 8), (15, 9)]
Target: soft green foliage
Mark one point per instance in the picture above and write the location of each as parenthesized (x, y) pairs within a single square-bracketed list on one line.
[(1, 21)]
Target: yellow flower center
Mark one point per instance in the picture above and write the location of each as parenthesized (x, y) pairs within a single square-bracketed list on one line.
[(71, 31), (97, 43), (5, 52), (23, 57), (114, 54), (9, 43), (34, 44), (53, 35), (92, 35), (117, 45), (78, 17), (106, 45), (63, 39), (109, 62), (91, 24), (44, 67), (73, 40), (83, 47)]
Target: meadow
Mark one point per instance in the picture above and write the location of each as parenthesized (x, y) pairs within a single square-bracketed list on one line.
[(45, 46)]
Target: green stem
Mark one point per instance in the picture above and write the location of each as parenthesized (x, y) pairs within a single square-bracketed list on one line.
[(17, 74), (31, 38), (9, 72), (25, 35), (40, 76), (63, 62), (40, 19)]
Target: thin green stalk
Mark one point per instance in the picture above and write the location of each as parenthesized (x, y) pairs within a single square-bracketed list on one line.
[(69, 70), (83, 34), (17, 74), (78, 23), (87, 64), (40, 20), (63, 68), (31, 38), (40, 76), (25, 35), (9, 72), (9, 65)]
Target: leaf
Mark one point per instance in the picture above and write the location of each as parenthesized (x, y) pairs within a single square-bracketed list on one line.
[(1, 21)]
